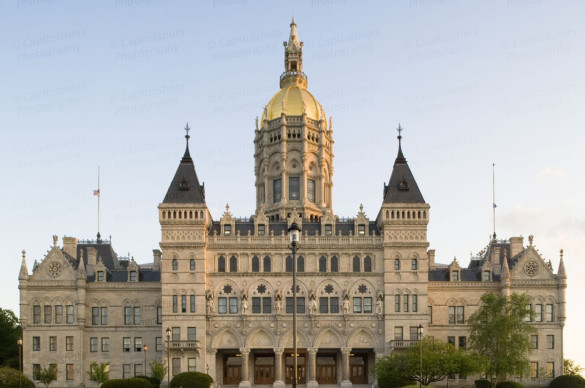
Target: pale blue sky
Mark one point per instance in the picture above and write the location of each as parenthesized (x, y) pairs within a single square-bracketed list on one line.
[(112, 83)]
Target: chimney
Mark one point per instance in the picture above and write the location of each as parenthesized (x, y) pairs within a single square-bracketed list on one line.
[(70, 246), (157, 254), (91, 260), (495, 255), (516, 246), (431, 256)]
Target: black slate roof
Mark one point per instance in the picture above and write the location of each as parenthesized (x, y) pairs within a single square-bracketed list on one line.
[(185, 187), (402, 187)]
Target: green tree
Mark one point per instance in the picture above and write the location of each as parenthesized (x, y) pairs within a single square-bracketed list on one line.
[(158, 370), (47, 375), (10, 332), (570, 367), (499, 332), (100, 373), (439, 359)]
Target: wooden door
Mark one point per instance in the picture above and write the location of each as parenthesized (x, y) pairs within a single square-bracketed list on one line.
[(326, 369), (232, 370), (263, 369), (358, 368)]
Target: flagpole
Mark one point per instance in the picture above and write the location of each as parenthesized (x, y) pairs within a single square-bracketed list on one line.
[(98, 209), (494, 196)]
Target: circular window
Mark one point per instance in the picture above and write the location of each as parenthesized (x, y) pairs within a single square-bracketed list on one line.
[(55, 269), (531, 268)]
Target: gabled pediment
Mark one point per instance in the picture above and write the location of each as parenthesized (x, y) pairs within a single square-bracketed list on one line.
[(54, 267), (531, 265)]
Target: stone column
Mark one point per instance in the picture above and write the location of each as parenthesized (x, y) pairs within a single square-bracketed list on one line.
[(211, 365), (345, 383), (278, 381), (312, 368), (245, 383)]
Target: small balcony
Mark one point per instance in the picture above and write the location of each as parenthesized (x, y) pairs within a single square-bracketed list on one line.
[(402, 344), (185, 345)]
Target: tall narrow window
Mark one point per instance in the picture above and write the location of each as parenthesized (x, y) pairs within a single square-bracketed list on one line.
[(415, 303), (454, 276), (397, 303), (322, 264), (356, 264), (183, 303), (398, 333), (357, 305), (460, 314), (137, 315), (534, 341), (328, 230), (397, 264), (300, 264), (36, 314), (293, 188), (334, 264), (222, 305), (221, 264), (361, 230), (289, 264), (548, 317), (367, 264), (233, 301), (192, 303), (267, 264), (69, 312), (261, 230), (227, 230), (48, 314), (59, 313), (406, 297), (451, 314), (104, 315), (175, 304), (311, 190), (192, 265), (255, 264), (414, 264), (175, 264), (277, 189), (159, 315), (538, 313), (233, 264), (486, 276)]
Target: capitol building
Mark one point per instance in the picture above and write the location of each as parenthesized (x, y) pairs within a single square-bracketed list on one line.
[(218, 296)]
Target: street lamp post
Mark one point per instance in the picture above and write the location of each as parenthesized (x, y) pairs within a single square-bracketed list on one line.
[(145, 350), (168, 332), (420, 337), (19, 342), (295, 235)]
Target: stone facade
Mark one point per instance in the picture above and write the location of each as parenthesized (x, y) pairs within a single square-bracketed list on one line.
[(222, 289)]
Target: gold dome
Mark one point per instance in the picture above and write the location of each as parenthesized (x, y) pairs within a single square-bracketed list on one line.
[(293, 99)]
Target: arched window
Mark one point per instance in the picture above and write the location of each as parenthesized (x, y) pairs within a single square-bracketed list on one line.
[(233, 264), (414, 264), (255, 264), (300, 264), (367, 264), (322, 264), (221, 264), (289, 264), (175, 264), (334, 264), (192, 265), (267, 264), (356, 264), (397, 264)]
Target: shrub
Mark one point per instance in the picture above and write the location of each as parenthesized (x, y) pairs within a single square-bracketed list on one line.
[(509, 384), (568, 381), (9, 378), (191, 380), (483, 384), (127, 383), (153, 380)]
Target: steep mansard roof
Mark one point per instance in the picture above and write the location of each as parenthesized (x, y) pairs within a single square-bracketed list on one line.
[(402, 187), (185, 187)]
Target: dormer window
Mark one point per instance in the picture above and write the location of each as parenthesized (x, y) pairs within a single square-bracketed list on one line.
[(454, 276), (100, 276), (361, 230), (261, 230), (328, 230), (133, 276), (227, 230), (486, 276)]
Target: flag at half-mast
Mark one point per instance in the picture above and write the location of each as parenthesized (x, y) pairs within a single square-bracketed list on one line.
[(96, 192)]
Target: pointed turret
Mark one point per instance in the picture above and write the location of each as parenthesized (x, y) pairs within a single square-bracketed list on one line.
[(505, 270), (23, 274), (293, 61), (185, 187), (562, 274), (402, 187), (81, 273)]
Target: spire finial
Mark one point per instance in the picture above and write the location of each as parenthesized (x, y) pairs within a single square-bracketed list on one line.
[(561, 252), (293, 21), (24, 254), (399, 129), (187, 129)]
